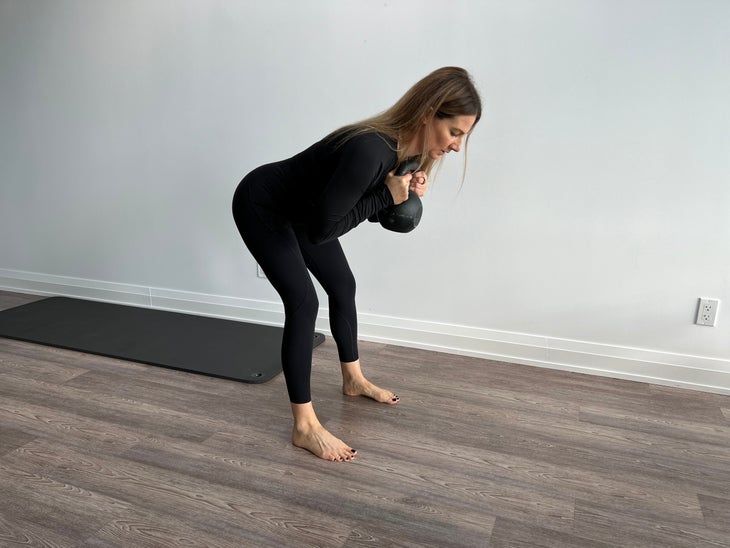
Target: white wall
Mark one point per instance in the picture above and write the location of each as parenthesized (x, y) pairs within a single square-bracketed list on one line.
[(594, 213)]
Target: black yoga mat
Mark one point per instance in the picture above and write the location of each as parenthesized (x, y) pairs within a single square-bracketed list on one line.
[(221, 348)]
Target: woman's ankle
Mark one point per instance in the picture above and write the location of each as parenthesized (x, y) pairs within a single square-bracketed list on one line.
[(352, 371), (305, 418)]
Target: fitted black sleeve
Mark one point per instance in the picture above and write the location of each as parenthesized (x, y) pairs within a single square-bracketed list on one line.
[(356, 189)]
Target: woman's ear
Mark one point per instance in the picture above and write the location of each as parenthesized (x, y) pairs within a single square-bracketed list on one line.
[(429, 115)]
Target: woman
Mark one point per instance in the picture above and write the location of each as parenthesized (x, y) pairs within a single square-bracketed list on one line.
[(290, 214)]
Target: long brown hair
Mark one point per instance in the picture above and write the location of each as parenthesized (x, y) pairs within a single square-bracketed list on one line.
[(445, 93)]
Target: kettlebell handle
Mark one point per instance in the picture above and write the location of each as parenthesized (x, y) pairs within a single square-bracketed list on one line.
[(407, 167), (405, 216)]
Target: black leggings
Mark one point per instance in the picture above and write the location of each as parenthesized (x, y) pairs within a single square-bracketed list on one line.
[(285, 254)]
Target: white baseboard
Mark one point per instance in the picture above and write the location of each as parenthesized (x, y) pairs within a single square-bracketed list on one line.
[(636, 364)]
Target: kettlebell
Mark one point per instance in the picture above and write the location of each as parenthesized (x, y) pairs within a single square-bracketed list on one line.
[(405, 216)]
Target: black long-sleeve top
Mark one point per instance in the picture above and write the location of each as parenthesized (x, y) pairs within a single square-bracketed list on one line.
[(328, 189)]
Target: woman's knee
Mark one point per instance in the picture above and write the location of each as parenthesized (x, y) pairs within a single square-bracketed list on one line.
[(306, 307), (344, 290), (311, 304)]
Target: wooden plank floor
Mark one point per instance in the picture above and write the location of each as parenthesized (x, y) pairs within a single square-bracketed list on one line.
[(101, 452)]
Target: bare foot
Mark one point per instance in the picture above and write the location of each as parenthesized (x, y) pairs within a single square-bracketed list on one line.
[(308, 433), (354, 383), (363, 387), (320, 442)]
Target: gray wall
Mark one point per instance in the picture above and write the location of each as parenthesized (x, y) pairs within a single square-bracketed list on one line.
[(593, 215)]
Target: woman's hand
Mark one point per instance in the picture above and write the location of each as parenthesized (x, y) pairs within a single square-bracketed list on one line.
[(398, 186), (419, 183)]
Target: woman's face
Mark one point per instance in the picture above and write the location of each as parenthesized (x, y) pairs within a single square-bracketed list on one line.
[(446, 134)]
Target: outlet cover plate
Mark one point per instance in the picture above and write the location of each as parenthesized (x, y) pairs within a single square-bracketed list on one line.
[(707, 312)]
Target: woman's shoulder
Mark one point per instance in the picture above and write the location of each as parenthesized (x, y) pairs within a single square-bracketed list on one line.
[(372, 142)]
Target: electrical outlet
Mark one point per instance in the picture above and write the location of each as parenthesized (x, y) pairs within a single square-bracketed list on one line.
[(260, 271), (707, 312)]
